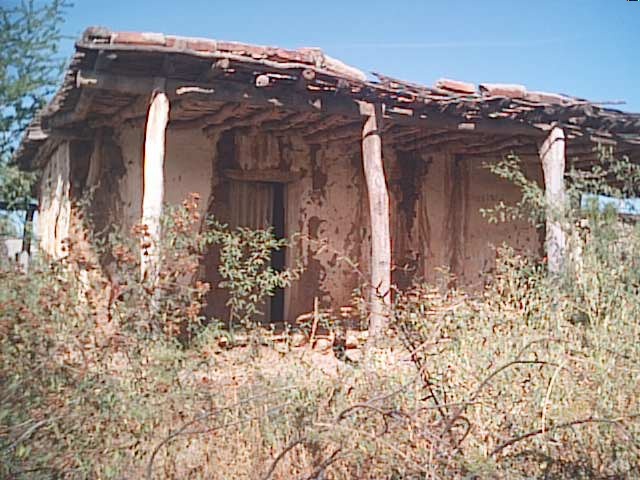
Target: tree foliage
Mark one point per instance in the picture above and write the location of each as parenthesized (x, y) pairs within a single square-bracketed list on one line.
[(30, 34), (30, 67)]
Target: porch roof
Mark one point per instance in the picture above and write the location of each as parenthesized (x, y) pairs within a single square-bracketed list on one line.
[(216, 83)]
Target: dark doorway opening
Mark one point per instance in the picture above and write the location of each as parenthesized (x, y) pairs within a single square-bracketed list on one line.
[(278, 257)]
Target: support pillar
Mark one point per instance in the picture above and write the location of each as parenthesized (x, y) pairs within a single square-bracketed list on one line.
[(379, 214), (552, 155), (153, 182)]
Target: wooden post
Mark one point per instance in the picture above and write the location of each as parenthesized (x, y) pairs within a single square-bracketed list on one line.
[(153, 182), (379, 214), (552, 155)]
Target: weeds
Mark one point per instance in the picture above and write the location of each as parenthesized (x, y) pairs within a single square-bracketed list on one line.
[(534, 377)]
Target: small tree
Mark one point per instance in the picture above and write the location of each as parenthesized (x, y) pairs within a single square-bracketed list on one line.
[(29, 70)]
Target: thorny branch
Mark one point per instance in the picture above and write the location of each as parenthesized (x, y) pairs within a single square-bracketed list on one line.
[(560, 426)]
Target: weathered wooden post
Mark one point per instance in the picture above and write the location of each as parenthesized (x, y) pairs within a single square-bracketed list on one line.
[(552, 155), (379, 214), (153, 181)]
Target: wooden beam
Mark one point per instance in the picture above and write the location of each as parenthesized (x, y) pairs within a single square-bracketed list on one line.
[(552, 155), (221, 90), (379, 215), (296, 121), (263, 175), (284, 96), (342, 132), (495, 145), (224, 113), (82, 108), (77, 133), (433, 140), (153, 182), (134, 109), (253, 120)]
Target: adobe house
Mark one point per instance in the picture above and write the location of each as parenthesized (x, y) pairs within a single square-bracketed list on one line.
[(385, 172)]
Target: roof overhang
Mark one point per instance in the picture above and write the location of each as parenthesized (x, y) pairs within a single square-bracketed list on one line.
[(216, 83)]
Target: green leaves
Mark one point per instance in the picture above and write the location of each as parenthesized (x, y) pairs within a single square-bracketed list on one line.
[(245, 267), (29, 70), (29, 65)]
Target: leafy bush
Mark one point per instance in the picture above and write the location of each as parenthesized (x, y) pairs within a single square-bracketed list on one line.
[(96, 360), (246, 271)]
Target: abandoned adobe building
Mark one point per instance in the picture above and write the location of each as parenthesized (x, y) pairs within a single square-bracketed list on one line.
[(386, 172)]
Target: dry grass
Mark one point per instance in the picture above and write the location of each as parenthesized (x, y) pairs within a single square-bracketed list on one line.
[(536, 377)]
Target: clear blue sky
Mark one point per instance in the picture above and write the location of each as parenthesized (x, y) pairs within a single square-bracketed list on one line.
[(588, 48)]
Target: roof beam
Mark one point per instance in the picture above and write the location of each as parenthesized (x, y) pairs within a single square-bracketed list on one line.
[(221, 91), (294, 99)]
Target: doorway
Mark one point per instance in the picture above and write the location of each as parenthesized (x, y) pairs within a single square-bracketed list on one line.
[(259, 206)]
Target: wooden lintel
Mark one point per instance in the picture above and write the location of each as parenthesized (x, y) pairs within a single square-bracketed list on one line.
[(264, 175), (431, 140), (134, 109), (78, 133), (342, 132), (431, 117), (228, 110), (292, 122), (252, 120), (326, 123), (496, 145)]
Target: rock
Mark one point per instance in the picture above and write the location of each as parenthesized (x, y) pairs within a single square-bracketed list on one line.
[(351, 340), (353, 355), (298, 339), (323, 344)]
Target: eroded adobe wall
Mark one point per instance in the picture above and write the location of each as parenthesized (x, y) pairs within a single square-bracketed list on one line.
[(52, 226), (130, 139), (419, 211), (436, 200), (333, 221), (326, 213), (188, 169), (190, 156), (79, 172), (483, 191)]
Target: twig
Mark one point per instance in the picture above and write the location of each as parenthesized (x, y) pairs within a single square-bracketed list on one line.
[(486, 381), (375, 438), (315, 475), (504, 367), (383, 413), (183, 429), (556, 427), (281, 455), (543, 419), (314, 325), (538, 340), (27, 433)]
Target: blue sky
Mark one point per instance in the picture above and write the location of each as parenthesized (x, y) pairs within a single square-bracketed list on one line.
[(588, 48)]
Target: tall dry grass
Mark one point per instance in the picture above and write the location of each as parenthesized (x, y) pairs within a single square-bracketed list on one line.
[(535, 377)]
